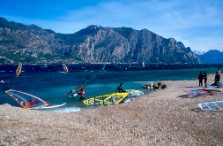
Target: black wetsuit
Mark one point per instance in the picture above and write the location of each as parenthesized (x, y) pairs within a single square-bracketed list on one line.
[(120, 89), (200, 78)]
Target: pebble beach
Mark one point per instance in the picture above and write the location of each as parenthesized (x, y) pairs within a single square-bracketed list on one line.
[(160, 118)]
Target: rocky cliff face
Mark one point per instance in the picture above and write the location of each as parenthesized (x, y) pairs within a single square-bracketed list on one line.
[(94, 44)]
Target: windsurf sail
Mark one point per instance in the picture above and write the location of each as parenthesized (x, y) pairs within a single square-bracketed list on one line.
[(65, 68), (19, 70), (212, 106), (107, 99), (26, 100)]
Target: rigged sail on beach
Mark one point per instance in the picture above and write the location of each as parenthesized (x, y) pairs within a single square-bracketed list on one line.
[(19, 70), (106, 99), (26, 100), (65, 68)]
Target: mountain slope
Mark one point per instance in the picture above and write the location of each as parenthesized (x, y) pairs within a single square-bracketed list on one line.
[(212, 57), (94, 44)]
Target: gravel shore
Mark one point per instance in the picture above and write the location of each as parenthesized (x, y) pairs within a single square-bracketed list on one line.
[(161, 118)]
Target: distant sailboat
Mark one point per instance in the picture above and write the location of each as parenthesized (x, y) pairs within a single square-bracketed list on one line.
[(19, 70), (143, 64), (103, 68), (65, 68)]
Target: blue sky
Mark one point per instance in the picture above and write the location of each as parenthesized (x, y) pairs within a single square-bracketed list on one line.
[(197, 23)]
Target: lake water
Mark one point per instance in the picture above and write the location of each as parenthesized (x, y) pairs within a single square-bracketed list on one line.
[(52, 86)]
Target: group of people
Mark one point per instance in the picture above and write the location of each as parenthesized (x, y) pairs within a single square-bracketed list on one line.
[(203, 77)]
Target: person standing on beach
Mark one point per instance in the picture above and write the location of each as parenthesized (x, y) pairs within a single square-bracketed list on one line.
[(205, 79), (216, 79), (200, 78)]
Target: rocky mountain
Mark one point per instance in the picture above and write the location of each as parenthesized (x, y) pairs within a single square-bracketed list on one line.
[(212, 57), (94, 44)]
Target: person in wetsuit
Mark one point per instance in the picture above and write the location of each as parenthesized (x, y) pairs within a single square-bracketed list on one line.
[(200, 78), (205, 79), (216, 79), (81, 93), (120, 88)]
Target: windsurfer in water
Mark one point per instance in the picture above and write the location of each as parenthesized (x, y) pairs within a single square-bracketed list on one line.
[(80, 91), (120, 88)]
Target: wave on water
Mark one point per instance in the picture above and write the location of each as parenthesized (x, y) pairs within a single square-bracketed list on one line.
[(67, 109), (62, 72)]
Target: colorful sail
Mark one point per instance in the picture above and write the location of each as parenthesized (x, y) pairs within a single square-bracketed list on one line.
[(65, 68), (19, 70), (26, 100), (107, 99)]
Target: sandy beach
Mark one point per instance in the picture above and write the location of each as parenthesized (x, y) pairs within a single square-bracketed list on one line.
[(161, 118)]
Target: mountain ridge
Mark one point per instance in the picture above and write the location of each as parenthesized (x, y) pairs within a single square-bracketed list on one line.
[(212, 57), (93, 44)]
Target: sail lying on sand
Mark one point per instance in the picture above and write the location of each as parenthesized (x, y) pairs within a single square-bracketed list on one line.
[(19, 70), (212, 106), (26, 100), (106, 99), (65, 68)]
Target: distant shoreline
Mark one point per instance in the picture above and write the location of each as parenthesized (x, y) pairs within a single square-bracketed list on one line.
[(107, 67)]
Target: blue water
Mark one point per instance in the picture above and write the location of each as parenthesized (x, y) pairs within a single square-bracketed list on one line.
[(52, 86)]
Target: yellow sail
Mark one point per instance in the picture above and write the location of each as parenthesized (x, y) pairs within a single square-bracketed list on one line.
[(19, 70), (107, 99), (65, 68)]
